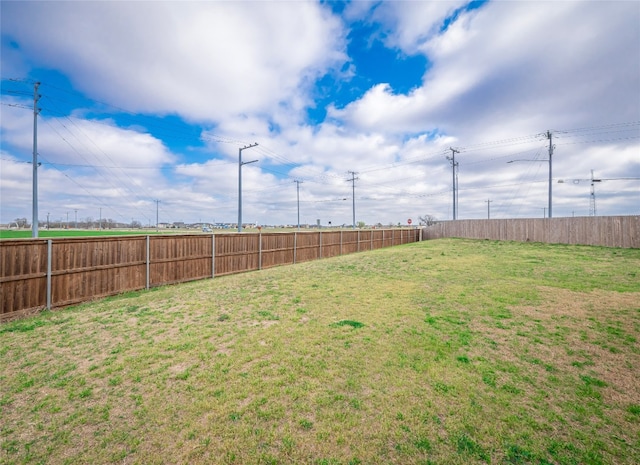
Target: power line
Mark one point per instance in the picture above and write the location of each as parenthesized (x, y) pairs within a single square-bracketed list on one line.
[(86, 190), (107, 179)]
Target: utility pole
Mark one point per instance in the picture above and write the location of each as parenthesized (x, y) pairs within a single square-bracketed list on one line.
[(76, 222), (67, 220), (47, 220), (488, 209), (454, 166), (592, 199), (550, 137), (240, 163), (157, 207), (100, 218), (36, 110), (353, 194), (298, 197)]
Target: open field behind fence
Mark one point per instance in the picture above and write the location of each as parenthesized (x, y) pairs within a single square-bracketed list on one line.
[(606, 231), (49, 273)]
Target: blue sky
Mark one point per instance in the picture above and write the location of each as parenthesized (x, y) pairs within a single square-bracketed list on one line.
[(146, 101)]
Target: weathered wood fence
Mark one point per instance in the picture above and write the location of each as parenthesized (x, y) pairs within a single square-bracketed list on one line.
[(607, 231), (49, 273)]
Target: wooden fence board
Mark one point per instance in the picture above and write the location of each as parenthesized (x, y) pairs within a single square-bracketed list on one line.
[(331, 244), (378, 237), (606, 231), (175, 259), (23, 281), (308, 246), (236, 253), (87, 268), (349, 242), (277, 249)]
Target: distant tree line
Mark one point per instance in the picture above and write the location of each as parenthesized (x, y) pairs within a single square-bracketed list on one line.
[(86, 223)]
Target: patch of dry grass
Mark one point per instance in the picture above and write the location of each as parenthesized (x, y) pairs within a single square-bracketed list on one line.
[(445, 351)]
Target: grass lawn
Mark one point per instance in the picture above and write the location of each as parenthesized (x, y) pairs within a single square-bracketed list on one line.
[(44, 233), (439, 352)]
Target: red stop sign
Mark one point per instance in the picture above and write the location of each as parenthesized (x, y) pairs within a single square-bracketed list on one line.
[(409, 221)]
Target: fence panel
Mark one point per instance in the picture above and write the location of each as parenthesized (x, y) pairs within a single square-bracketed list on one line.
[(331, 244), (175, 259), (308, 246), (378, 239), (366, 237), (388, 238), (606, 231), (236, 253), (23, 278), (349, 242), (277, 249), (629, 231), (88, 268)]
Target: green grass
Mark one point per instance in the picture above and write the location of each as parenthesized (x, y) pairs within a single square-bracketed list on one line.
[(448, 351), (43, 233)]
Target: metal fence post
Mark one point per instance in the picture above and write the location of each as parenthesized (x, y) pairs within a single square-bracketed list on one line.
[(260, 250), (49, 259), (213, 255), (148, 260)]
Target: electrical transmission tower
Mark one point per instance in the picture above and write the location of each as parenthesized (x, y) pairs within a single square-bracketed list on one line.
[(592, 195)]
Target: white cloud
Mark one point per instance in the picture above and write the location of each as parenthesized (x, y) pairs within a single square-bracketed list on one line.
[(408, 24), (567, 63), (203, 60)]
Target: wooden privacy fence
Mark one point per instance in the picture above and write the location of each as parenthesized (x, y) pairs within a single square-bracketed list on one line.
[(49, 273), (607, 231)]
